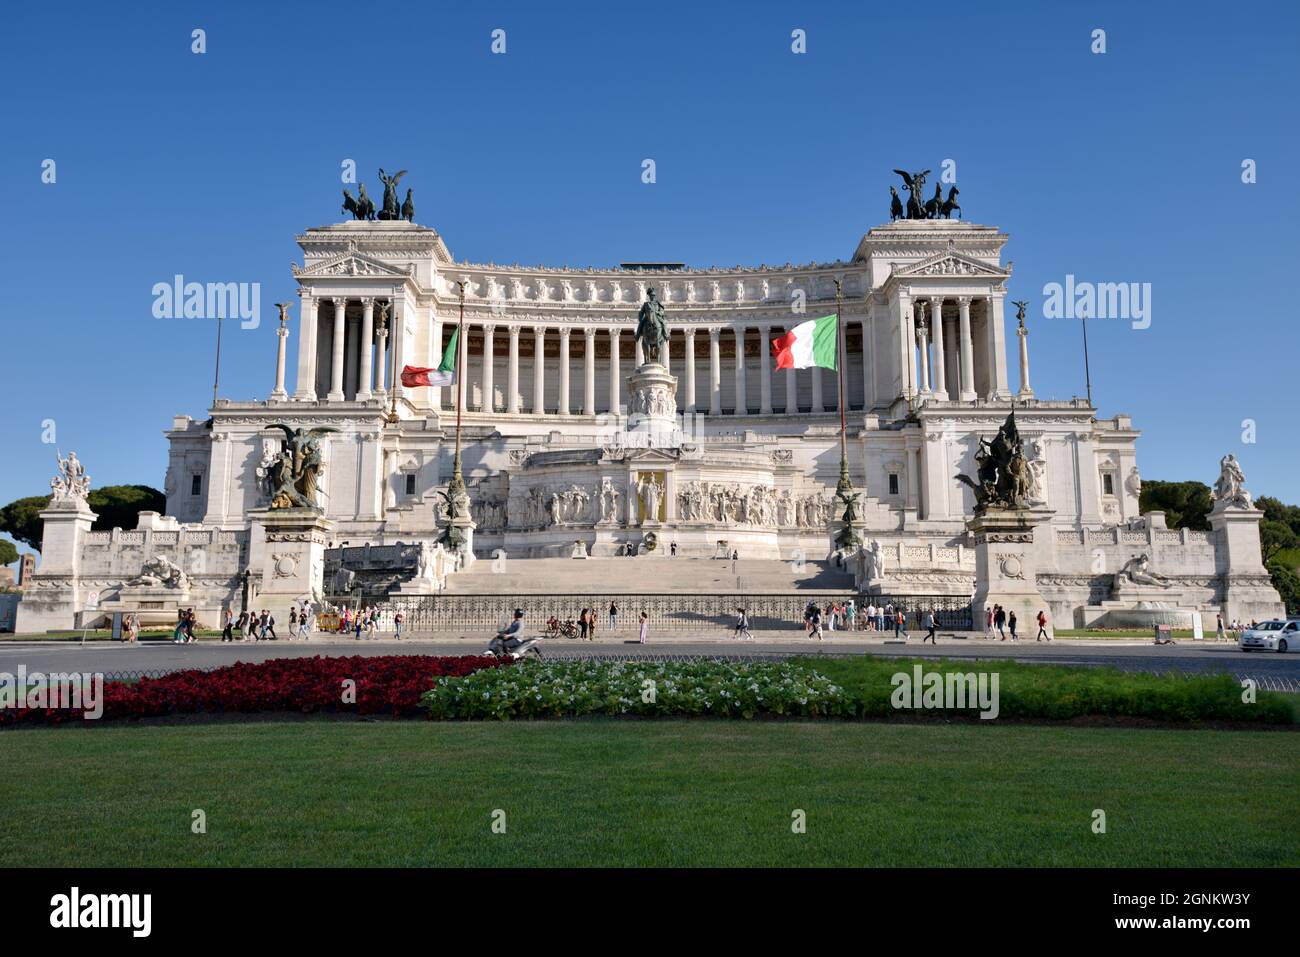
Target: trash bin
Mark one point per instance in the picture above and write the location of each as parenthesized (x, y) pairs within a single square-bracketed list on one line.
[(1164, 634)]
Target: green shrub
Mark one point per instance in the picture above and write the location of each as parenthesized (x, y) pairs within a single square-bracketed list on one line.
[(552, 689)]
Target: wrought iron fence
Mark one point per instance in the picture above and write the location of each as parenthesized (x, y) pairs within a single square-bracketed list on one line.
[(665, 612)]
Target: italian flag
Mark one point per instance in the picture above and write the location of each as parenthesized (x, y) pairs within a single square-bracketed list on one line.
[(445, 374), (808, 344)]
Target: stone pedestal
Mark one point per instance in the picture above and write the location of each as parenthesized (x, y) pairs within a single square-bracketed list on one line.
[(652, 400), (1248, 592), (1006, 563), (55, 596), (293, 560)]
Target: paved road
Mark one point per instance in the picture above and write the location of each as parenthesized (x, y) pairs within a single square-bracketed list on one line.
[(1273, 670)]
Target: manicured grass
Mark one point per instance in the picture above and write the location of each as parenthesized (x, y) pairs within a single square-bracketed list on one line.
[(1059, 692), (1128, 633), (667, 792)]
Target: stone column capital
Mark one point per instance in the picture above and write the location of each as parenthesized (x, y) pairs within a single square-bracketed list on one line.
[(963, 300), (589, 333), (513, 329), (368, 301), (339, 301), (489, 328)]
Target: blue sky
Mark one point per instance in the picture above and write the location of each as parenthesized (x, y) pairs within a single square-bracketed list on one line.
[(1118, 167)]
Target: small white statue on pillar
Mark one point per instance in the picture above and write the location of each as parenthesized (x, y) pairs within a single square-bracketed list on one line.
[(72, 484), (1230, 489)]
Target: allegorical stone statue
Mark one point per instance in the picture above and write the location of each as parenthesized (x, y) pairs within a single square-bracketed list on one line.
[(390, 209), (875, 558), (1004, 478), (1230, 489), (1138, 571), (160, 571), (293, 478), (652, 327), (71, 482)]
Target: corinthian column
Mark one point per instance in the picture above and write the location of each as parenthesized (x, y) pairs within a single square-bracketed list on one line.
[(336, 357), (307, 322), (512, 372), (689, 359), (967, 358), (742, 407), (539, 370), (489, 386), (367, 343), (715, 372), (282, 336), (923, 342), (940, 370), (564, 370), (765, 370), (615, 385), (1026, 390), (589, 371)]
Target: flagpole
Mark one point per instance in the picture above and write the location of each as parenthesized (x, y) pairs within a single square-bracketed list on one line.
[(844, 485), (460, 344), (392, 361), (216, 374)]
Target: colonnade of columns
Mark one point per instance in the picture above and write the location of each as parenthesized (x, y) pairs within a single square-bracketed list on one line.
[(681, 352), (946, 346), (941, 362), (358, 349)]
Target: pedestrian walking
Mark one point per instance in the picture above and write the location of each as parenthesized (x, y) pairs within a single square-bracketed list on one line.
[(398, 620), (228, 626), (1011, 625), (852, 615), (131, 628), (1219, 633), (988, 622), (900, 625), (645, 627), (359, 623), (735, 557), (293, 622), (270, 627), (672, 549), (304, 623), (742, 625), (832, 612), (815, 623), (583, 625), (871, 616), (613, 616), (929, 628), (807, 618), (1000, 620), (1042, 626)]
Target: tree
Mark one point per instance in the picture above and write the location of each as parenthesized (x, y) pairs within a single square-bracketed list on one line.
[(21, 521), (1274, 537), (1276, 511), (1287, 583), (1185, 504), (8, 552), (116, 505)]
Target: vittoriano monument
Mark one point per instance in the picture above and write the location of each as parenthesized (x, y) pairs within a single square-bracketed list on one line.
[(293, 478)]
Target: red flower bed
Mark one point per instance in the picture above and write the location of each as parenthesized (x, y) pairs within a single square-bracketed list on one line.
[(389, 684)]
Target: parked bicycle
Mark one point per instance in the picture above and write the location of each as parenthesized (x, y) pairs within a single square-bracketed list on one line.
[(561, 629)]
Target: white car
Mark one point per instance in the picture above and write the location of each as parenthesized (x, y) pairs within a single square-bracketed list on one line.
[(1272, 636)]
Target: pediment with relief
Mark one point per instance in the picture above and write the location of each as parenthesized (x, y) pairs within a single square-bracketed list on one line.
[(951, 264), (352, 264)]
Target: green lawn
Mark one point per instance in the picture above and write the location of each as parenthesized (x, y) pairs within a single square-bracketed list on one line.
[(670, 792)]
